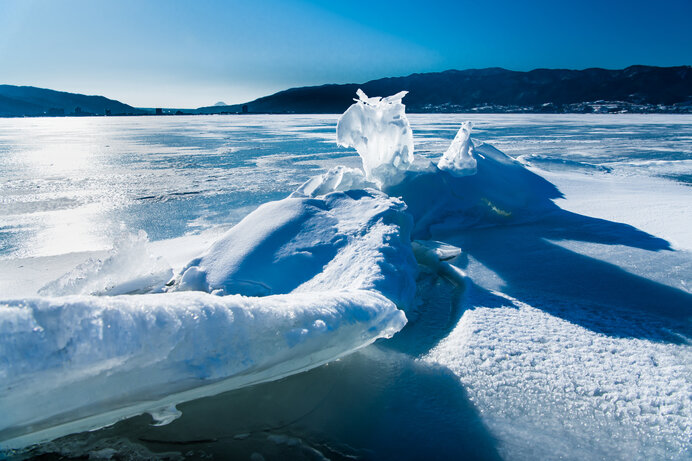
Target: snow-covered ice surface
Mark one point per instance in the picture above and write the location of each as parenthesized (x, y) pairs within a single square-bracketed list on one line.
[(551, 317)]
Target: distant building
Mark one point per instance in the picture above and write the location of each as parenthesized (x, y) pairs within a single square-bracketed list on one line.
[(159, 111), (245, 108), (77, 110), (108, 112)]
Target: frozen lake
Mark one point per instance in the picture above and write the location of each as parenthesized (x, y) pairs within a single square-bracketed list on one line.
[(71, 184), (571, 340)]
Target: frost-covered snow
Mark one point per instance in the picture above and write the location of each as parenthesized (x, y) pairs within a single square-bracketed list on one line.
[(551, 316), (573, 392)]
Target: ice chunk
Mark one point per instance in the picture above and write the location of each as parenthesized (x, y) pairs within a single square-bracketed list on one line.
[(165, 415), (78, 362), (434, 251), (458, 160), (435, 256), (379, 130)]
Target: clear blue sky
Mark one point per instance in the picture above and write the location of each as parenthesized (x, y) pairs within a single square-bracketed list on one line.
[(193, 53)]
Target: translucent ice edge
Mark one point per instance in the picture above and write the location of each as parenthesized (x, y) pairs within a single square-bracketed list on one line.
[(113, 357), (128, 268)]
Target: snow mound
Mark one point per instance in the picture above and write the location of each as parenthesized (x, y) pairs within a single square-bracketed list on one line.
[(342, 240), (501, 192), (379, 130)]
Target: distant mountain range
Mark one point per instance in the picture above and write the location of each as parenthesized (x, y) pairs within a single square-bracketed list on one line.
[(18, 101), (634, 89)]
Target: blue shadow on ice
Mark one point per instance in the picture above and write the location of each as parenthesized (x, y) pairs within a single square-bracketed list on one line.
[(597, 295), (374, 404), (504, 217)]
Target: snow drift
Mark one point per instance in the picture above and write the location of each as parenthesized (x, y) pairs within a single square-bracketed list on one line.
[(335, 241)]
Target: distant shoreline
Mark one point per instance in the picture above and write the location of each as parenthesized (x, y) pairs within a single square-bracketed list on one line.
[(659, 112), (635, 89)]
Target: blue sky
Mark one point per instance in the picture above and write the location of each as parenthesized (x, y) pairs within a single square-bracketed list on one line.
[(193, 53)]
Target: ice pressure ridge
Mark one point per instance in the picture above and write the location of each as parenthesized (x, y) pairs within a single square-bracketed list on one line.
[(297, 283), (472, 185)]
